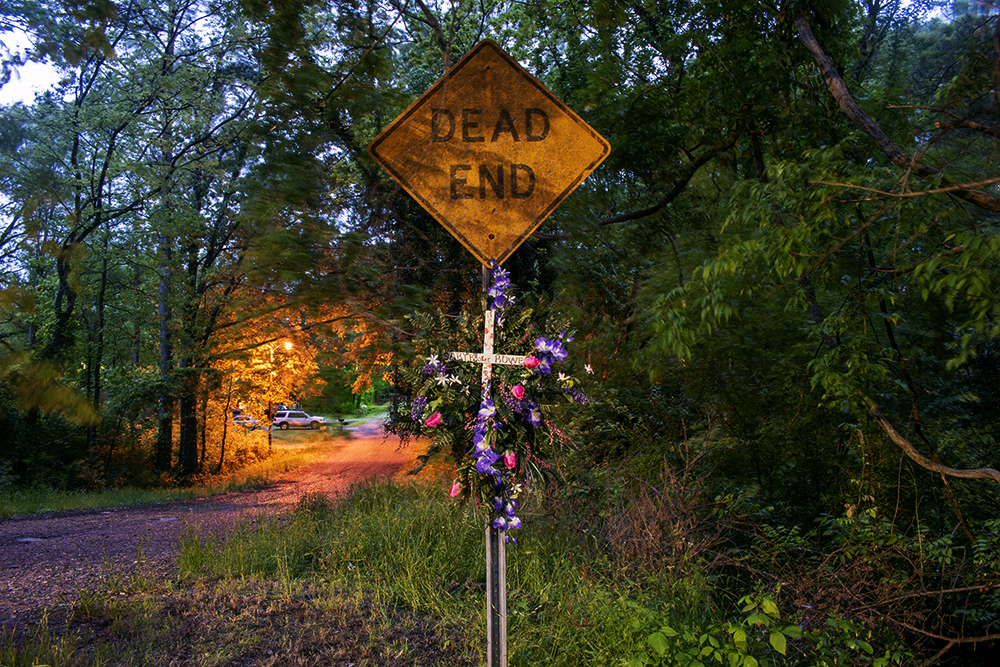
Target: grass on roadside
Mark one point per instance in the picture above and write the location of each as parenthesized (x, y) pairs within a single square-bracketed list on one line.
[(17, 501), (392, 574), (410, 547)]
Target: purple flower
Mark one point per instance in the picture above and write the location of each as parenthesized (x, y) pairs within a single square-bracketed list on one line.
[(577, 395), (487, 410), (510, 508), (419, 403), (479, 437), (534, 414), (501, 283), (434, 368), (553, 347), (548, 352), (486, 460), (507, 519)]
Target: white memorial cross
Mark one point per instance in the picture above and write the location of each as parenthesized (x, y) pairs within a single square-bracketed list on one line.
[(496, 557), (488, 359)]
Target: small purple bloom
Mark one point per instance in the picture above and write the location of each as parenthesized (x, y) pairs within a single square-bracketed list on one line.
[(486, 460), (434, 368), (479, 437), (488, 409), (419, 403), (534, 414), (501, 283), (577, 395)]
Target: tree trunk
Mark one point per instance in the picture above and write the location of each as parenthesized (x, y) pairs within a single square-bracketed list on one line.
[(137, 330), (95, 370), (188, 416), (165, 432), (225, 423), (203, 425)]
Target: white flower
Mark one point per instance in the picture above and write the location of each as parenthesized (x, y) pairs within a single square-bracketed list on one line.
[(432, 359), (454, 379), (442, 380), (588, 368), (563, 377)]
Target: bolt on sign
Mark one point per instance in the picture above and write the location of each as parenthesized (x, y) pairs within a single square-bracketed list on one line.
[(489, 151)]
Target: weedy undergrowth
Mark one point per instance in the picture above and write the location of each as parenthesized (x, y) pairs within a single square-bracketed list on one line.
[(413, 548), (37, 646)]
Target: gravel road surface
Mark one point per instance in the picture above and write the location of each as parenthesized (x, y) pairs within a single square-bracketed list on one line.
[(47, 560)]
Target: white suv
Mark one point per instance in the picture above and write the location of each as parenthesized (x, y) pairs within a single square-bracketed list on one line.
[(285, 419)]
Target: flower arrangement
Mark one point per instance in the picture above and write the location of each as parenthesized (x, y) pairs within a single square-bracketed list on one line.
[(500, 438)]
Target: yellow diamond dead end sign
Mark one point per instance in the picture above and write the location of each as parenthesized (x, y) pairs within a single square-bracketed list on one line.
[(489, 151)]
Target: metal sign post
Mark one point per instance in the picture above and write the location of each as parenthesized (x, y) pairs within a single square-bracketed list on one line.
[(489, 152), (496, 598)]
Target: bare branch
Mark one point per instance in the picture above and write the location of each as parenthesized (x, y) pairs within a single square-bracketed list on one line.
[(969, 125), (679, 186), (434, 25), (920, 459), (945, 591), (922, 193), (952, 640), (902, 159)]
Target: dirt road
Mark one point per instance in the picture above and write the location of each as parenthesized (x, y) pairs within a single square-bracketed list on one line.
[(46, 561)]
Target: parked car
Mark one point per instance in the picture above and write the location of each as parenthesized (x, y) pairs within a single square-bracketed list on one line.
[(247, 422), (285, 419)]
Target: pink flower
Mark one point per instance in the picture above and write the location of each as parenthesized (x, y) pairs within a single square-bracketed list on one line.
[(509, 459), (455, 489), (434, 420), (518, 390), (531, 362)]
